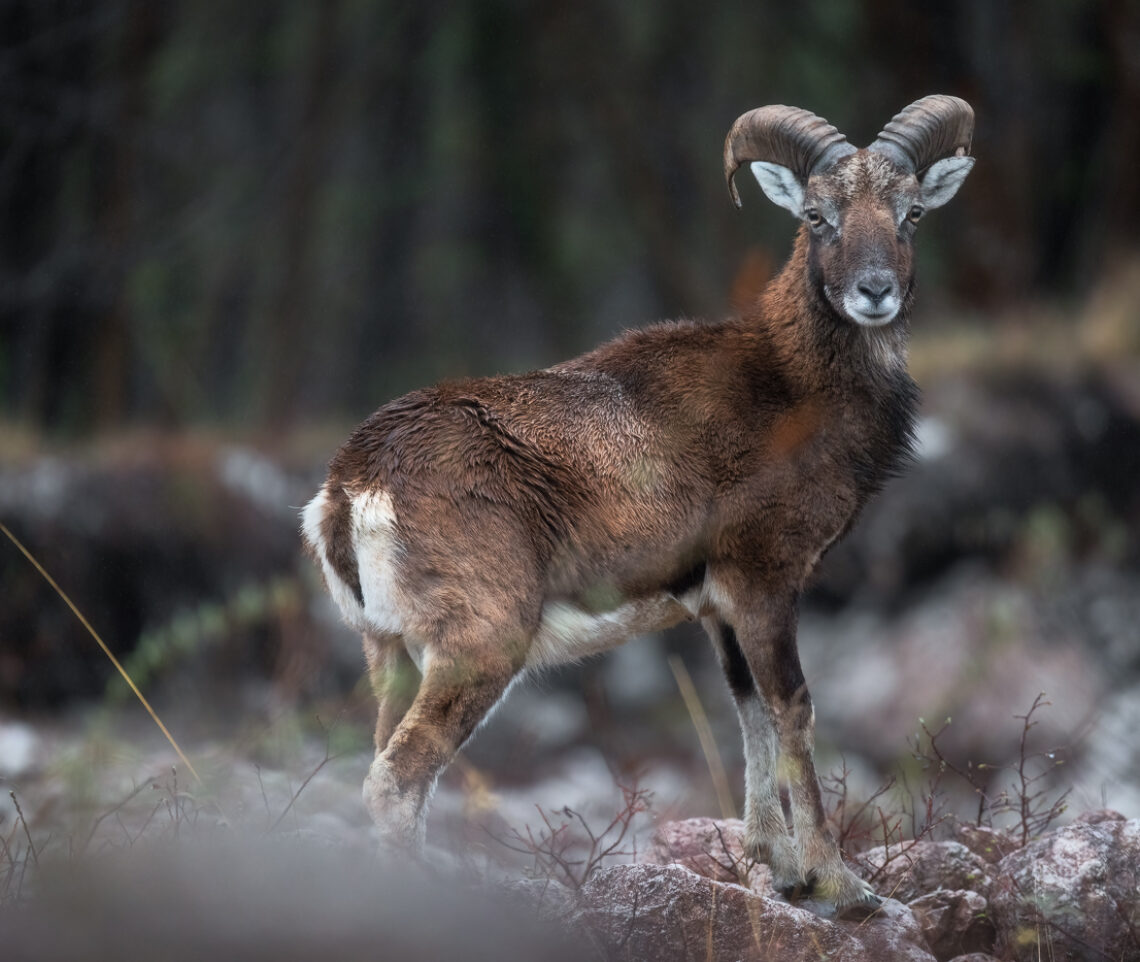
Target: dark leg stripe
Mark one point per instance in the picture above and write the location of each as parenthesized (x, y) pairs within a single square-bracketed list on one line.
[(736, 670)]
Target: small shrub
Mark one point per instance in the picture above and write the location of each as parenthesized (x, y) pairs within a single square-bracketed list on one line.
[(566, 849)]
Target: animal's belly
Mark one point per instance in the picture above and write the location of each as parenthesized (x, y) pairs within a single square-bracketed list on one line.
[(568, 632)]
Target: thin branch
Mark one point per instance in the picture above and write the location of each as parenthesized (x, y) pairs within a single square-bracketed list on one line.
[(112, 811), (297, 794), (27, 831)]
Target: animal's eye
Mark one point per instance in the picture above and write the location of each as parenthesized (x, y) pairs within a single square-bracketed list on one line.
[(813, 217), (915, 213)]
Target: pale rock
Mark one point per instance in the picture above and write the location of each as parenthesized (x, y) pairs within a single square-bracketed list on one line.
[(668, 912), (954, 922), (990, 844), (923, 868), (1074, 893), (710, 847)]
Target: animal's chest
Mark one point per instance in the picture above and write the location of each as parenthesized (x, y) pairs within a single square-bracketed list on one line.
[(816, 468)]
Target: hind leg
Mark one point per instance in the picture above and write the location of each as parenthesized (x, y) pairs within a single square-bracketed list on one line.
[(456, 694), (394, 678)]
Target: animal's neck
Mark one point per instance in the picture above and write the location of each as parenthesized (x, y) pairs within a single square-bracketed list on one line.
[(818, 347)]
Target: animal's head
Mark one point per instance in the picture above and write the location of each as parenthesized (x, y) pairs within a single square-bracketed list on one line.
[(861, 207)]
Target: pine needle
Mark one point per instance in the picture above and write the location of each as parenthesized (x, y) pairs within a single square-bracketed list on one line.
[(107, 651)]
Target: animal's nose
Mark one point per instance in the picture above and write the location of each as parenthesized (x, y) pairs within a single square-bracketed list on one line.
[(876, 287)]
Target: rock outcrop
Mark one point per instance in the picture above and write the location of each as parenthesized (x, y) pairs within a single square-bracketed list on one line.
[(666, 912), (1074, 889)]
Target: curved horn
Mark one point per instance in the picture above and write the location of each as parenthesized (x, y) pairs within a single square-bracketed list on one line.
[(789, 136), (929, 129)]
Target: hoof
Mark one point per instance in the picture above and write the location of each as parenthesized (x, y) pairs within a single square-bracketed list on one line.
[(860, 909), (396, 843), (852, 897), (782, 862), (796, 891), (397, 817)]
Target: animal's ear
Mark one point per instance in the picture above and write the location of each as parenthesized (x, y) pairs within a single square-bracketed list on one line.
[(781, 186), (942, 180)]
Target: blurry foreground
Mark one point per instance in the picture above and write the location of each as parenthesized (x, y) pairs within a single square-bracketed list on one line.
[(281, 901)]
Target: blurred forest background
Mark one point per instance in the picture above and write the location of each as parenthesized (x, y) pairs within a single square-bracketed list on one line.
[(270, 213), (228, 231)]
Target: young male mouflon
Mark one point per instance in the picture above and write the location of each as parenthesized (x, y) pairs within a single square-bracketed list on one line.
[(687, 470)]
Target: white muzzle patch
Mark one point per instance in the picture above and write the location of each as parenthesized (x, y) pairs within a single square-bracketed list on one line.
[(868, 313)]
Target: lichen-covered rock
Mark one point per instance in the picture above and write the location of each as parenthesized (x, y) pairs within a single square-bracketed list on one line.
[(1098, 816), (891, 935), (954, 922), (989, 844), (667, 912), (713, 848), (923, 868), (1075, 890), (1069, 896)]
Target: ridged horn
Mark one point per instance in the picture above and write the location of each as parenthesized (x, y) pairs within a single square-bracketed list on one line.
[(929, 129), (789, 136)]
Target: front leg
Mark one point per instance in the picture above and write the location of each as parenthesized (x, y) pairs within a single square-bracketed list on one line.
[(763, 618), (766, 837)]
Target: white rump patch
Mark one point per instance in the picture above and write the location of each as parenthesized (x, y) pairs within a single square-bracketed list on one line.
[(377, 558), (377, 550)]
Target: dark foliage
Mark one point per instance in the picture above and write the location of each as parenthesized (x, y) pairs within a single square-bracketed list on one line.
[(272, 210)]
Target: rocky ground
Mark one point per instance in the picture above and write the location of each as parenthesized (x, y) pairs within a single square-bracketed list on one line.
[(1070, 894), (286, 870), (270, 854)]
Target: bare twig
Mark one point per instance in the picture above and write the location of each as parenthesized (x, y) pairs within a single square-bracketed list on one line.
[(27, 832), (739, 868), (111, 811), (328, 757), (858, 824), (264, 797), (1027, 797), (150, 818), (572, 850)]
